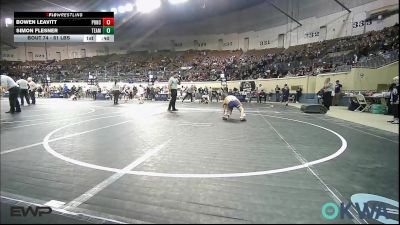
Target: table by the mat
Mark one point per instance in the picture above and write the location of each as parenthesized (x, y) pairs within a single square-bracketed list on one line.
[(161, 97), (372, 99), (377, 99)]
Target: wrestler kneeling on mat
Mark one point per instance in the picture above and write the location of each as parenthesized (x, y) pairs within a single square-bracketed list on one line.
[(231, 102)]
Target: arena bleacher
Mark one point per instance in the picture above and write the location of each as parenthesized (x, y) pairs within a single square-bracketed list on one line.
[(301, 60)]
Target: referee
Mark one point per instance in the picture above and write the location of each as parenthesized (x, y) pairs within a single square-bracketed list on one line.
[(173, 86), (32, 90), (23, 90), (9, 84)]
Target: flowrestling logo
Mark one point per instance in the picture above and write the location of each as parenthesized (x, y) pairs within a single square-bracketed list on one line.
[(367, 206)]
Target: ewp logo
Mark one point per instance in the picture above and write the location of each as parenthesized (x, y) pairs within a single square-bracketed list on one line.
[(34, 210), (379, 210)]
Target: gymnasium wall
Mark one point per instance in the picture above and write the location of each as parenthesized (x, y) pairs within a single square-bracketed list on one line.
[(352, 81), (42, 51), (363, 78), (357, 79)]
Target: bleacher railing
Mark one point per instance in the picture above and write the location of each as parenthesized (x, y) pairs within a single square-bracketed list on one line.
[(380, 60)]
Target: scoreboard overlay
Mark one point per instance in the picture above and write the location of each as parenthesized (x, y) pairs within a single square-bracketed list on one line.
[(63, 26)]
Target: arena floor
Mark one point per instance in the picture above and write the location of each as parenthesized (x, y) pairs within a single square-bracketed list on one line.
[(135, 163)]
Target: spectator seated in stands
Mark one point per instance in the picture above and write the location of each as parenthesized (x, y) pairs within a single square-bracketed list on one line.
[(302, 60)]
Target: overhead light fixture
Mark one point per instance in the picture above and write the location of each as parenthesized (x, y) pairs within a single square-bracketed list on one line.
[(128, 7), (115, 10), (174, 2), (146, 6), (121, 9)]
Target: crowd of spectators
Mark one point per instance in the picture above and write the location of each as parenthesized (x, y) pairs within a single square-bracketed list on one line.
[(301, 60), (127, 92)]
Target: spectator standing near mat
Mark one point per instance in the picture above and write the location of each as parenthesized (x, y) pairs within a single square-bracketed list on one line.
[(261, 94), (40, 91), (32, 90), (181, 91), (94, 91), (298, 94), (116, 91), (65, 90), (141, 91), (277, 91), (218, 94), (80, 92), (205, 91), (125, 92), (320, 94), (173, 89), (73, 90), (212, 94), (338, 93), (13, 91), (394, 100), (327, 96), (189, 93), (134, 90), (46, 90), (285, 95), (23, 90), (130, 93)]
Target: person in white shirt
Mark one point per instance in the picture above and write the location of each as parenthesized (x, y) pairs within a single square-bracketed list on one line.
[(327, 96), (261, 94), (23, 86), (94, 91), (126, 93), (13, 90), (141, 94), (32, 90), (116, 91), (173, 89)]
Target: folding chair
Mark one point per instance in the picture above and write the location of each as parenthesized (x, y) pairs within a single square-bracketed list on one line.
[(364, 105)]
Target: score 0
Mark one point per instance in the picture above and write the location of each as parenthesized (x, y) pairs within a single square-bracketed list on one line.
[(108, 25), (108, 22)]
